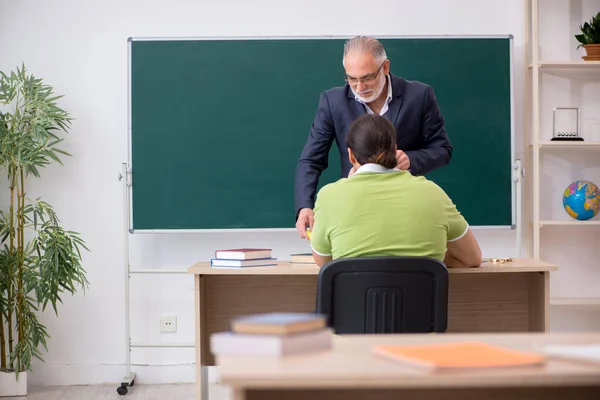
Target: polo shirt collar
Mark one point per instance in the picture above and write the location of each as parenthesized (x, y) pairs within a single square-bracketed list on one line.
[(376, 168)]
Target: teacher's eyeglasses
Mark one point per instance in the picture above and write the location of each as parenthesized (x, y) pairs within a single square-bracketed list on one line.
[(365, 79)]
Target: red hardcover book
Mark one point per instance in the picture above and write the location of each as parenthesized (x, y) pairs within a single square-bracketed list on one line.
[(243, 254)]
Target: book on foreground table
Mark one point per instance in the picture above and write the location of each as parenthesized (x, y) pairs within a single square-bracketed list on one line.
[(588, 353), (239, 344), (472, 354), (278, 323)]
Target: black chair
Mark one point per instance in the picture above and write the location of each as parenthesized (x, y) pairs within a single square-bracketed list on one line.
[(384, 295)]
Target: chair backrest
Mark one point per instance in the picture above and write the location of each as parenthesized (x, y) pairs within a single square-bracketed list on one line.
[(384, 295)]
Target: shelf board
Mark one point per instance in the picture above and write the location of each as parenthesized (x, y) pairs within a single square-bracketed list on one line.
[(575, 301), (569, 64), (594, 222), (569, 144)]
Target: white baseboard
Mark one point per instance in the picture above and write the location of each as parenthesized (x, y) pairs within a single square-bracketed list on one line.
[(575, 301), (93, 374)]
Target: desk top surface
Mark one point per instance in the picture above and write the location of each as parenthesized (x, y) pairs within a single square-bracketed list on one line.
[(287, 268), (351, 363)]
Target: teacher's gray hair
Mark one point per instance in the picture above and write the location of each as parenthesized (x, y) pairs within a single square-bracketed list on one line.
[(365, 44)]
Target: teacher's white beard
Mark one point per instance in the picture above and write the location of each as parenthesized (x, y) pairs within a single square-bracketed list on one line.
[(375, 93)]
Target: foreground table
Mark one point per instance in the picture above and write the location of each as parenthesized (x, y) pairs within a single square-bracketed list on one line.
[(350, 372), (511, 297)]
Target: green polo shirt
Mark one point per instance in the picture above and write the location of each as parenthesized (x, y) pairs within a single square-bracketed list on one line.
[(384, 212)]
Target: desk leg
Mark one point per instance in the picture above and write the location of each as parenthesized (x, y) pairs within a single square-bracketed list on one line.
[(539, 302), (201, 338)]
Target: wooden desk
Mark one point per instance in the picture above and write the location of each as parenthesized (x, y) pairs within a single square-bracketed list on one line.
[(492, 298), (350, 372)]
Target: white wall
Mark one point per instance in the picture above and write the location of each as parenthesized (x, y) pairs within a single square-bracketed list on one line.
[(80, 48)]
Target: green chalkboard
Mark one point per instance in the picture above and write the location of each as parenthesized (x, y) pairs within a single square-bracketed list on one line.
[(217, 126)]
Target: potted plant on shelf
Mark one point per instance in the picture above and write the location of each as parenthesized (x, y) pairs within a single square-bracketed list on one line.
[(39, 259), (589, 38)]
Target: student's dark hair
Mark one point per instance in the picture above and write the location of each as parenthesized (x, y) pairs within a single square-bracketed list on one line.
[(372, 139)]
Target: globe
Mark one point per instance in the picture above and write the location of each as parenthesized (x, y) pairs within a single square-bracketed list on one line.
[(581, 200)]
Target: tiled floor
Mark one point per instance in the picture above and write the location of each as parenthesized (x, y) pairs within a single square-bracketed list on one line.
[(137, 392)]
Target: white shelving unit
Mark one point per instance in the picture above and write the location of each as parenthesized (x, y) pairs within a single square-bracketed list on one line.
[(565, 301), (566, 64), (589, 145), (539, 141), (569, 223)]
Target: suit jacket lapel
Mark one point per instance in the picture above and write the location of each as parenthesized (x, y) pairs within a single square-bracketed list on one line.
[(357, 107), (394, 106)]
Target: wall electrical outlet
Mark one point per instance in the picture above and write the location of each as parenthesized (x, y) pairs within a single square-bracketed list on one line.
[(168, 323)]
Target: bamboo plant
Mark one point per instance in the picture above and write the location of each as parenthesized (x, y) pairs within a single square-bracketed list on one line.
[(39, 260)]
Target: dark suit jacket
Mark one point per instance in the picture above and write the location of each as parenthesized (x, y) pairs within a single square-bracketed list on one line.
[(414, 112)]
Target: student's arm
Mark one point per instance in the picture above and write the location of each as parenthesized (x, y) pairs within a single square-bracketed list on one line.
[(321, 260), (463, 252), (462, 249)]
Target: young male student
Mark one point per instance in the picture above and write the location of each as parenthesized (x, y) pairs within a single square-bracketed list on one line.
[(383, 211)]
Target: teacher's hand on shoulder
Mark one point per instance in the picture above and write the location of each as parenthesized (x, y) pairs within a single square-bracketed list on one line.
[(305, 218), (403, 162)]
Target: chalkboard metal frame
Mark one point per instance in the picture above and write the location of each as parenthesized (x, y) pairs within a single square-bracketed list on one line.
[(127, 168)]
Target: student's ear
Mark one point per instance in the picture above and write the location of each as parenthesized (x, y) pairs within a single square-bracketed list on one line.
[(351, 156)]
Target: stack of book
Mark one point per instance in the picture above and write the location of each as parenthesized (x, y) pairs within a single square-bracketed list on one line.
[(240, 258), (273, 335)]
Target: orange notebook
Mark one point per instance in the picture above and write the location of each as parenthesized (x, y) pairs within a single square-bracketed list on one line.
[(459, 355)]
